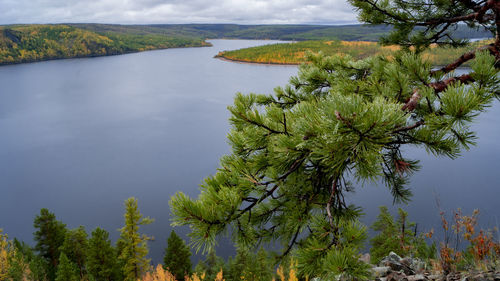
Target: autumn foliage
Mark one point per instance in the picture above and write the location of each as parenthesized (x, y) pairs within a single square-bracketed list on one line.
[(295, 53), (481, 250)]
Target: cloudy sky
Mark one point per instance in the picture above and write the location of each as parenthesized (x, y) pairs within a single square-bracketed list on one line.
[(177, 11)]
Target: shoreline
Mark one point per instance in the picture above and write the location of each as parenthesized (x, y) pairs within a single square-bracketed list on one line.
[(253, 62), (295, 64), (206, 44)]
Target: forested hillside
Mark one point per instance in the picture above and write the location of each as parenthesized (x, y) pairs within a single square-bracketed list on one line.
[(295, 53), (276, 32), (28, 43)]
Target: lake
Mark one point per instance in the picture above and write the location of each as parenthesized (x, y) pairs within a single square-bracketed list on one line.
[(80, 136)]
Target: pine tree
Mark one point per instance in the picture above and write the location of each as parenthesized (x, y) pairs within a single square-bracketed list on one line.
[(101, 256), (5, 254), (66, 270), (340, 123), (135, 247), (238, 264), (49, 238), (210, 266), (25, 265), (75, 248), (177, 257), (399, 236), (259, 267)]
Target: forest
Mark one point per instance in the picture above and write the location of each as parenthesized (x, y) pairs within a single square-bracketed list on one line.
[(295, 53), (29, 43), (64, 254)]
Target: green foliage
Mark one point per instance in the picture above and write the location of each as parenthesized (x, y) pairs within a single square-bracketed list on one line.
[(340, 124), (251, 266), (295, 53), (321, 257), (277, 32), (419, 23), (75, 248), (66, 270), (210, 266), (134, 248), (101, 257), (177, 257), (27, 43), (49, 238), (398, 236)]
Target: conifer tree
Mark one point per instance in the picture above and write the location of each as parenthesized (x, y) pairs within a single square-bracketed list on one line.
[(341, 123), (210, 266), (238, 264), (259, 267), (101, 256), (134, 245), (49, 237), (177, 257), (5, 254), (75, 248), (66, 270), (398, 236)]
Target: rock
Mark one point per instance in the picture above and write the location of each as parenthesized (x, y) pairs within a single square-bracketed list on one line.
[(434, 277), (381, 271), (453, 277), (417, 277), (381, 279), (397, 263), (365, 258), (392, 257), (397, 276), (416, 264)]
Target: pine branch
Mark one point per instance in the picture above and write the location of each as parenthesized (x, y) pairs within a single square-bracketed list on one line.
[(409, 128), (463, 59)]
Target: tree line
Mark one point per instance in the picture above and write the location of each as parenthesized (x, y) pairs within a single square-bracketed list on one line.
[(28, 43)]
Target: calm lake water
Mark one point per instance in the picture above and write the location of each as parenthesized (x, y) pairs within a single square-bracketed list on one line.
[(80, 136)]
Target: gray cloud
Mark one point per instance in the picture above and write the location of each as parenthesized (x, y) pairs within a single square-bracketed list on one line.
[(177, 11)]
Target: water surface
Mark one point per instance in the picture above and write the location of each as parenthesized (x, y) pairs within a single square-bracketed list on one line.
[(80, 136)]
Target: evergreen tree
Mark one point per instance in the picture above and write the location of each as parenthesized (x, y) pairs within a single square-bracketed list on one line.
[(238, 264), (75, 248), (177, 257), (101, 257), (341, 123), (66, 270), (135, 247), (5, 255), (49, 237), (398, 236), (259, 267), (210, 266)]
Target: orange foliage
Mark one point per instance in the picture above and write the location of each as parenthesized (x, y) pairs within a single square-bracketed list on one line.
[(159, 274)]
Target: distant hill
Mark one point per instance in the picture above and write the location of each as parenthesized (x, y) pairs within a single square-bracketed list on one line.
[(28, 43), (276, 32)]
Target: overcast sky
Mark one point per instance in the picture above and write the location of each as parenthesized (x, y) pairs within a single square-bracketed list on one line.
[(177, 11)]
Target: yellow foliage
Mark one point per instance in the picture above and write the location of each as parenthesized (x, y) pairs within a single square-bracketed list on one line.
[(281, 273), (159, 274), (4, 256), (292, 274), (219, 276), (195, 277)]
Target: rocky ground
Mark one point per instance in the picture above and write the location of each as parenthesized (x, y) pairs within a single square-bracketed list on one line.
[(395, 268)]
